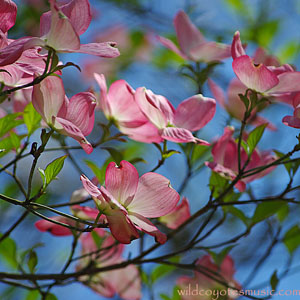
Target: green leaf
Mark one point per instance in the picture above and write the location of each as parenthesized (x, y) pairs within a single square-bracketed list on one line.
[(266, 32), (176, 295), (265, 210), (244, 145), (144, 278), (68, 64), (115, 154), (9, 122), (31, 118), (97, 239), (164, 297), (237, 5), (198, 152), (51, 297), (55, 61), (25, 253), (169, 153), (288, 52), (165, 57), (52, 170), (274, 280), (32, 261), (217, 183), (283, 212), (8, 251), (43, 175), (33, 295), (245, 100), (137, 38), (162, 270), (288, 166), (292, 239), (237, 213), (137, 160), (11, 142), (96, 170), (255, 136)]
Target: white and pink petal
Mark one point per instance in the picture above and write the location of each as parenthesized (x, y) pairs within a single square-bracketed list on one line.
[(154, 196)]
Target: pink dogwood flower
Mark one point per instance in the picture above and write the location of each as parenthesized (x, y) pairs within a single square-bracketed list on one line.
[(74, 117), (8, 14), (127, 200), (125, 282), (294, 121), (119, 106), (176, 125), (178, 216), (224, 272), (225, 159), (60, 30), (268, 80), (21, 72), (193, 45), (233, 104)]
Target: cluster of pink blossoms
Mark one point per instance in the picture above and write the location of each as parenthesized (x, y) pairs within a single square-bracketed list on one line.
[(150, 118)]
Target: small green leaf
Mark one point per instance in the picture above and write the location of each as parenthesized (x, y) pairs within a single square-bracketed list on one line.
[(292, 239), (198, 152), (32, 261), (274, 280), (8, 251), (68, 64), (169, 153), (265, 210), (245, 146), (176, 295), (137, 160), (55, 61), (144, 278), (24, 254), (9, 122), (288, 166), (283, 212), (51, 297), (245, 100), (164, 297), (52, 170), (97, 239), (33, 295), (115, 154), (266, 32), (96, 170), (255, 136), (237, 213), (31, 118), (217, 183), (42, 173), (288, 52), (237, 5), (161, 271), (11, 142)]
